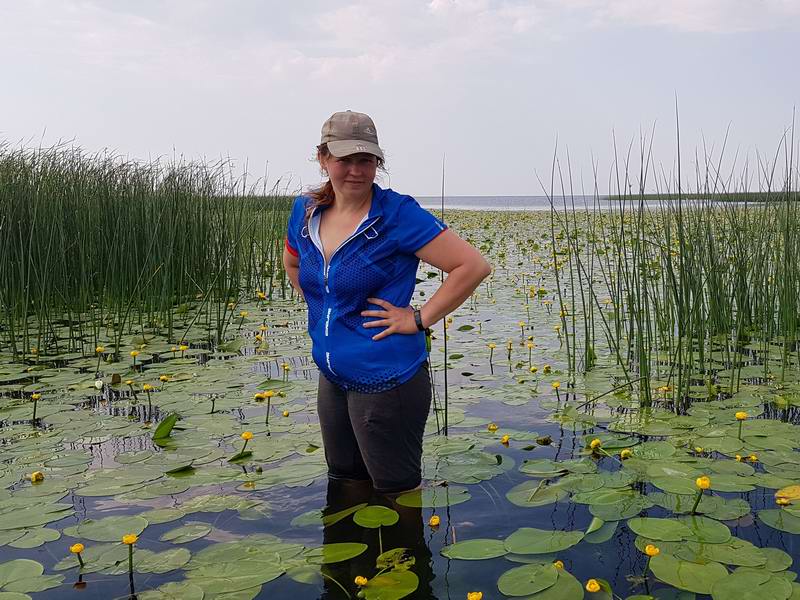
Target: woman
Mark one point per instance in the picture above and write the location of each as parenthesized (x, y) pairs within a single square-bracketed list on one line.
[(352, 251)]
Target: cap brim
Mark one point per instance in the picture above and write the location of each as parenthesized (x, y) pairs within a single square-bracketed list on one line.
[(348, 147)]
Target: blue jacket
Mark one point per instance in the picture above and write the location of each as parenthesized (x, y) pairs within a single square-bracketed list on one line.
[(376, 261)]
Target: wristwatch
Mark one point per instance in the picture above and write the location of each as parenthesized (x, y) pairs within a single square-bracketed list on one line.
[(418, 319)]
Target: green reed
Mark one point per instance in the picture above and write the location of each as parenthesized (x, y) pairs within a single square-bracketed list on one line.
[(687, 290), (109, 247)]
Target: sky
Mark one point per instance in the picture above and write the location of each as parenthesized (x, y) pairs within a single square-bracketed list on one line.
[(486, 91)]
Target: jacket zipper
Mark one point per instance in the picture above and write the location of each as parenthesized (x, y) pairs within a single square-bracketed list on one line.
[(326, 270)]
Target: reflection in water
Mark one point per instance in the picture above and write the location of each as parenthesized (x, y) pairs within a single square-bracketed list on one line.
[(408, 533)]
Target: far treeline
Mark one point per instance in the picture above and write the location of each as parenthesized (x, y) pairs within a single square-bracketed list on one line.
[(769, 196)]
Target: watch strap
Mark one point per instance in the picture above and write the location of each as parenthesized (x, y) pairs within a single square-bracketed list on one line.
[(418, 319)]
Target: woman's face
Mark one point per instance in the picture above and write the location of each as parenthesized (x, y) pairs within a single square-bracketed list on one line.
[(351, 176)]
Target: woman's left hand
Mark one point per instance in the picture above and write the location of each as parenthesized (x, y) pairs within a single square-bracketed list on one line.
[(394, 318)]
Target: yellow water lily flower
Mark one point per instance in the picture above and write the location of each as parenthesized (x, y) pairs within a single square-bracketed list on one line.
[(259, 396), (36, 396), (546, 369), (558, 564), (651, 550), (164, 378), (474, 595), (741, 415), (595, 444), (183, 347), (130, 539), (781, 501), (36, 477), (100, 349), (592, 585), (361, 581), (134, 353), (626, 453), (147, 387), (286, 413), (505, 439), (556, 385), (738, 458), (76, 548), (703, 482), (247, 435), (752, 458), (492, 345), (492, 427), (434, 521)]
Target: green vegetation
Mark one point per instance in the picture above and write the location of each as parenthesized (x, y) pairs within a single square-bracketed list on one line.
[(636, 429), (103, 246)]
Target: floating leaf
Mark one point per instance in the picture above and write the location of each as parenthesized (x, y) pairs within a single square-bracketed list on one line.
[(477, 549), (333, 553), (692, 577), (391, 586), (375, 516), (108, 529), (751, 585), (527, 579), (528, 540), (187, 532), (780, 520)]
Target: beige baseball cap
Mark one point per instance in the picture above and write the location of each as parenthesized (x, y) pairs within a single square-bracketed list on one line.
[(350, 132)]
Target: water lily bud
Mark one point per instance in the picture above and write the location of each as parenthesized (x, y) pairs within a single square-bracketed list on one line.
[(492, 427)]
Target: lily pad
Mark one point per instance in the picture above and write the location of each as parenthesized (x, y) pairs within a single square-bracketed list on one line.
[(689, 576), (188, 532), (527, 579), (751, 585), (375, 516), (478, 549), (528, 540), (334, 553), (108, 529)]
